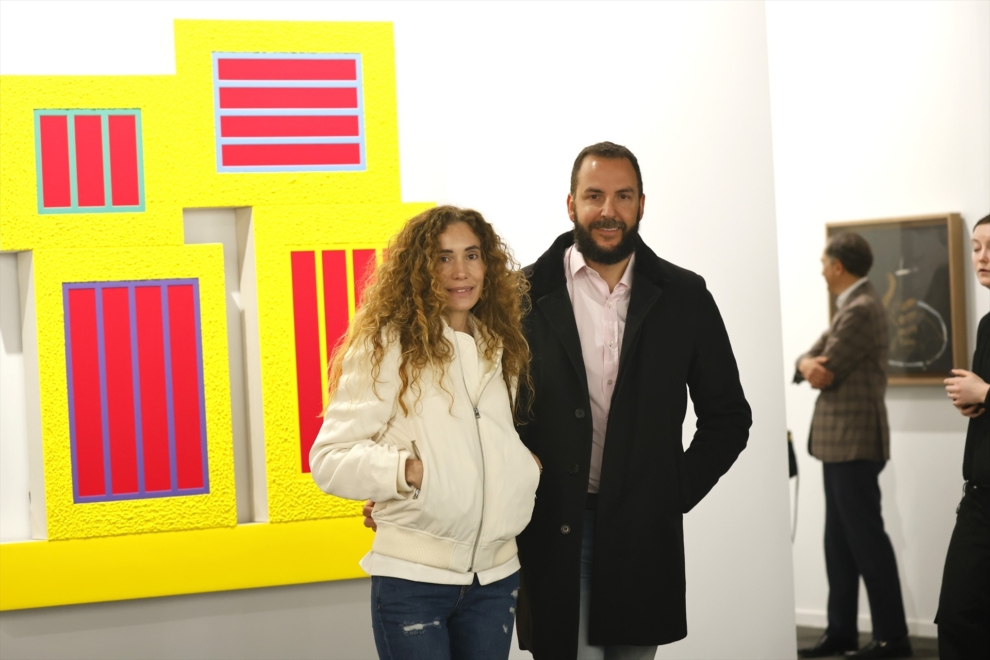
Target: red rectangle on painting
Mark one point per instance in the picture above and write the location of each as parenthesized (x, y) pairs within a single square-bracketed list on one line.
[(291, 154), (288, 97), (286, 69), (309, 380), (334, 296), (154, 402), (123, 160), (120, 390), (55, 182), (89, 160), (186, 411), (364, 268), (87, 416), (308, 126)]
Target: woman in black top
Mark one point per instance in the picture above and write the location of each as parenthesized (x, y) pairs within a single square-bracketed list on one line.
[(964, 604)]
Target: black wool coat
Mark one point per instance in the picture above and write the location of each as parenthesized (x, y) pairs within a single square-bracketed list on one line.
[(674, 341)]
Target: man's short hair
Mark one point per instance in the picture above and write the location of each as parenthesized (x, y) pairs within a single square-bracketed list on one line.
[(982, 221), (608, 150), (852, 251)]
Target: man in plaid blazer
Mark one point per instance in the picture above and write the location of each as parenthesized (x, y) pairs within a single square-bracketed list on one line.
[(849, 434)]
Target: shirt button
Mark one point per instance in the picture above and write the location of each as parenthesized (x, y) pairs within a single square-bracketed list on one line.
[(579, 413), (565, 529), (573, 469), (609, 382)]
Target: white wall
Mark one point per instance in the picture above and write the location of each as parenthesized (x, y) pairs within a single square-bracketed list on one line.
[(495, 100), (880, 109)]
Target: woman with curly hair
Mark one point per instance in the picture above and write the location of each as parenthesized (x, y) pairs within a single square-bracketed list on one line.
[(420, 420)]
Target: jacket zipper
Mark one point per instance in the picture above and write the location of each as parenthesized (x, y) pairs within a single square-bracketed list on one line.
[(481, 446)]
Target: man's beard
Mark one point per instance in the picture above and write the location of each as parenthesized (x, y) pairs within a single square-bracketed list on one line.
[(592, 251)]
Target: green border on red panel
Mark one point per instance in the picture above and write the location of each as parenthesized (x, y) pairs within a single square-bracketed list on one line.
[(73, 192)]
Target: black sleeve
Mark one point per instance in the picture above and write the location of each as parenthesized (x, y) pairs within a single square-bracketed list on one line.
[(724, 416)]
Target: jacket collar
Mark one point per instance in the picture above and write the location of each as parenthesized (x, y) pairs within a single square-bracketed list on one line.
[(549, 292), (854, 290)]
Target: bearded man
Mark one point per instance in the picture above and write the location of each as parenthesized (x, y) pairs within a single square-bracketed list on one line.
[(619, 338)]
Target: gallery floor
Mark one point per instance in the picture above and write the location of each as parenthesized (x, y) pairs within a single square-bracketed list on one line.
[(924, 647)]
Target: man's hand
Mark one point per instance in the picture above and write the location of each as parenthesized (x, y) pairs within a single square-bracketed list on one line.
[(414, 472), (972, 411), (966, 389), (369, 522), (815, 373)]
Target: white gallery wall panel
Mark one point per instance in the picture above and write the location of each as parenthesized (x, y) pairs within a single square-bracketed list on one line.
[(880, 109)]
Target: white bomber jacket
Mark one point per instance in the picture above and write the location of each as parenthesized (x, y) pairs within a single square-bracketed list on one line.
[(479, 480)]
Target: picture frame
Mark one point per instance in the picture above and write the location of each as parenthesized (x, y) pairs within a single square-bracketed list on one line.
[(918, 273)]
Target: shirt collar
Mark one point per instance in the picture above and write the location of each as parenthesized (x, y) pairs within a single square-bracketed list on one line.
[(843, 297), (575, 263)]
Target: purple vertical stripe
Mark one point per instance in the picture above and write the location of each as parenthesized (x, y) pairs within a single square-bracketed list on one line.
[(72, 399), (136, 378), (169, 404), (104, 406)]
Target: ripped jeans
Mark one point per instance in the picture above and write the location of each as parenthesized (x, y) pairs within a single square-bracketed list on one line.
[(426, 621)]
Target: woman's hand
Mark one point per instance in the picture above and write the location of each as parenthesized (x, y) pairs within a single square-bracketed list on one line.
[(414, 472), (966, 389), (369, 522)]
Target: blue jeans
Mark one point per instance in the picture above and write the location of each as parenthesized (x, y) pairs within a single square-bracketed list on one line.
[(425, 621), (585, 650)]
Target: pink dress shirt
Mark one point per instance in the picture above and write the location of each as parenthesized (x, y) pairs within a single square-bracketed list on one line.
[(601, 320)]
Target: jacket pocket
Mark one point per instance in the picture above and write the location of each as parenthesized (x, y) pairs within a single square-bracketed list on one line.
[(517, 497), (418, 492)]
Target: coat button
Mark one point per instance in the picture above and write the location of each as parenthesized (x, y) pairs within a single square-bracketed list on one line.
[(565, 529), (579, 413), (573, 469)]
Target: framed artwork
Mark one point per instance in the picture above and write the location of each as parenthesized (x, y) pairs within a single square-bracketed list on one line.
[(918, 273)]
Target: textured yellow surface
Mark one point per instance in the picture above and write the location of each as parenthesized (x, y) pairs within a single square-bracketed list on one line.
[(69, 520), (291, 211), (21, 226), (42, 574), (178, 127)]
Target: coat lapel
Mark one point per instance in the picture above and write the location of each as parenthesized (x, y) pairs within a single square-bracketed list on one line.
[(644, 296), (557, 306)]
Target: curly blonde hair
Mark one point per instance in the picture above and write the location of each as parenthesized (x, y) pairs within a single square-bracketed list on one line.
[(405, 300)]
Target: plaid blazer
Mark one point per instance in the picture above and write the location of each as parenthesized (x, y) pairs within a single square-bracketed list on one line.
[(850, 421)]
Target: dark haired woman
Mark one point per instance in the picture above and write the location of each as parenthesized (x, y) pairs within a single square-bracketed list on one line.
[(420, 420)]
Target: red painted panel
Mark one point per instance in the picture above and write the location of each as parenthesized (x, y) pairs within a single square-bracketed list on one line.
[(86, 410), (288, 97), (291, 154), (309, 380), (154, 405), (123, 160), (185, 386), (89, 160), (282, 69), (334, 297), (56, 189), (120, 390), (364, 268), (312, 126)]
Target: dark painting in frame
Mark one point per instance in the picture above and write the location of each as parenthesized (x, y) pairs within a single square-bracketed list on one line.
[(918, 273)]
